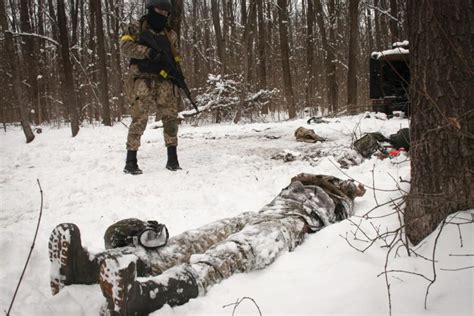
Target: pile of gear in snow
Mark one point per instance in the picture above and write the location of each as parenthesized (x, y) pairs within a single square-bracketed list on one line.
[(365, 147)]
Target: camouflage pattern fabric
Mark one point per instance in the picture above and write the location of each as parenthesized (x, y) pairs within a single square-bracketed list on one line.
[(253, 240), (146, 92), (368, 144), (308, 204), (307, 135)]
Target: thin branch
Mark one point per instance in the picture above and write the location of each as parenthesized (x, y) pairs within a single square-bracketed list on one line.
[(31, 249), (238, 301), (458, 269), (434, 263), (385, 12), (367, 186), (48, 39)]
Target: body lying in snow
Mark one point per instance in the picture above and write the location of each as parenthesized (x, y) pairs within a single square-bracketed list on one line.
[(191, 262)]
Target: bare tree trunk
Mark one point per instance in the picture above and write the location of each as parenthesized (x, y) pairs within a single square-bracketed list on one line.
[(393, 24), (329, 63), (378, 32), (262, 58), (92, 58), (249, 28), (102, 61), (30, 59), (12, 56), (353, 53), (285, 56), (384, 26), (176, 14), (370, 33), (117, 86), (69, 90), (310, 54), (442, 126), (217, 30)]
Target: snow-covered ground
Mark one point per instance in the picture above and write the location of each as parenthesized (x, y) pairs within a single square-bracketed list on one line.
[(227, 169)]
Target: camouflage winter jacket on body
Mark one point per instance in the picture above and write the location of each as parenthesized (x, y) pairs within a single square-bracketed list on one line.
[(131, 47)]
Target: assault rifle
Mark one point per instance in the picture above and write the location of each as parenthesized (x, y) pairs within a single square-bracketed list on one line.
[(165, 65)]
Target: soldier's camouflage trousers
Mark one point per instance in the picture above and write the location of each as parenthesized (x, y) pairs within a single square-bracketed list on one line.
[(146, 96)]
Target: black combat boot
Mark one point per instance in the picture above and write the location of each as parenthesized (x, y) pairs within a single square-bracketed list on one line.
[(172, 163), (70, 262), (131, 165), (127, 296)]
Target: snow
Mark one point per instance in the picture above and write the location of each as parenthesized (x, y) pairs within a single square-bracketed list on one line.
[(388, 52), (227, 169)]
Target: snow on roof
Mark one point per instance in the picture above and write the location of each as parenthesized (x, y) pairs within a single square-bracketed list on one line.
[(393, 51), (398, 48), (400, 44)]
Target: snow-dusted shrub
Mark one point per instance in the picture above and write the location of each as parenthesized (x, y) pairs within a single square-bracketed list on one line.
[(221, 100)]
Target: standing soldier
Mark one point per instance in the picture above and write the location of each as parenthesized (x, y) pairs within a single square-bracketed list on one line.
[(146, 85)]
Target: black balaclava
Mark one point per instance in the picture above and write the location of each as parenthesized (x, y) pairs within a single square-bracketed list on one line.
[(156, 21)]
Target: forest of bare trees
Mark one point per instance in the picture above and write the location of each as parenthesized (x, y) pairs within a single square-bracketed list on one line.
[(64, 64)]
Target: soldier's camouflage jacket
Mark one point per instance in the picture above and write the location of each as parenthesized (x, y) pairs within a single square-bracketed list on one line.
[(130, 48)]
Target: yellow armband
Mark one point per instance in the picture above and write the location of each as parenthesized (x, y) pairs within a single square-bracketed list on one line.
[(127, 38), (178, 58), (164, 74)]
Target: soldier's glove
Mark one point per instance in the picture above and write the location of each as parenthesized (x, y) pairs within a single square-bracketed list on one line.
[(154, 55)]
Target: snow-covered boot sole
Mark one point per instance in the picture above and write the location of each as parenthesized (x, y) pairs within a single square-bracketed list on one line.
[(70, 262), (61, 243), (117, 277)]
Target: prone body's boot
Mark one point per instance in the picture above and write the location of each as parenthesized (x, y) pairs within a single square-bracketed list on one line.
[(70, 262), (172, 163), (131, 164), (127, 296)]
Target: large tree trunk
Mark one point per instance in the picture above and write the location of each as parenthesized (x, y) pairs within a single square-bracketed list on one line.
[(353, 53), (176, 14), (30, 59), (378, 31), (69, 90), (245, 53), (329, 56), (116, 77), (285, 56), (218, 31), (442, 126), (310, 54), (393, 24), (262, 57), (102, 61), (10, 55)]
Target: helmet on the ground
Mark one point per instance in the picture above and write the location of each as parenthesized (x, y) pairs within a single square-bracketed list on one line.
[(160, 4), (135, 232)]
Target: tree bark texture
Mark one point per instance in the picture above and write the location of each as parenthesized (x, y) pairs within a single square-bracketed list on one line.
[(30, 62), (11, 55), (329, 59), (310, 97), (442, 126), (353, 53), (220, 41), (285, 56), (69, 90), (393, 24), (262, 57), (102, 61)]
